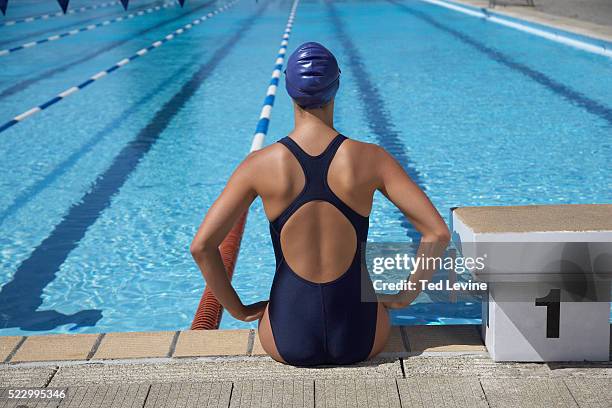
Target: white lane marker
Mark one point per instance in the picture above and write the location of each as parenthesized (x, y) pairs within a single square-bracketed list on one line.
[(266, 111), (61, 96), (89, 27), (58, 14)]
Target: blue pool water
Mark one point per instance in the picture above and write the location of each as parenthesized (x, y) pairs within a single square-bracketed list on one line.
[(101, 193)]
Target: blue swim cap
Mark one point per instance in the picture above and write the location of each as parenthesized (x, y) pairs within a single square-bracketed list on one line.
[(312, 76)]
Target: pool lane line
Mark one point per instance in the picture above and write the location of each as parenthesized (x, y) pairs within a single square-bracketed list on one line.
[(574, 97), (378, 118), (63, 95), (89, 27), (209, 312), (21, 297), (525, 27), (261, 129), (31, 191), (24, 84), (70, 24), (57, 14)]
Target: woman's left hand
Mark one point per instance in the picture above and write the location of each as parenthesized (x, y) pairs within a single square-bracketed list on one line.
[(252, 312), (399, 300)]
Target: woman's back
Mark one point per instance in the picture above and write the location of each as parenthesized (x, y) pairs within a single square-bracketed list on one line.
[(316, 312), (318, 241)]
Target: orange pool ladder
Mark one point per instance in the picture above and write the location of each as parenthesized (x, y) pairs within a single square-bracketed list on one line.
[(208, 315)]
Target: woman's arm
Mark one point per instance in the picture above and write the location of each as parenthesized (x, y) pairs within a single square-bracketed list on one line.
[(235, 199), (397, 186)]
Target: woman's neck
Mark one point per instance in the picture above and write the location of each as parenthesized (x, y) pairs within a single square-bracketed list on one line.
[(313, 118)]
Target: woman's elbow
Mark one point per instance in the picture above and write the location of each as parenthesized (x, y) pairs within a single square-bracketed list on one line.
[(199, 246), (195, 249), (443, 236), (440, 235)]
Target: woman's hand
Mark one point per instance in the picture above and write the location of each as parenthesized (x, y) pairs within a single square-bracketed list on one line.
[(399, 300), (254, 311)]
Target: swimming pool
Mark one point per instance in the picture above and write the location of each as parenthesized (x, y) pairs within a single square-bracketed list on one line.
[(101, 193)]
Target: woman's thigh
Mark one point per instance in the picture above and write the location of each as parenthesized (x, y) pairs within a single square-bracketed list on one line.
[(383, 328), (266, 337)]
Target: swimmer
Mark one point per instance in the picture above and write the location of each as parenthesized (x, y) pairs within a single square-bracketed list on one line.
[(317, 188)]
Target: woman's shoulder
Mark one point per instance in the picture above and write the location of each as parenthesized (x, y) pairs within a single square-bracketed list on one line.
[(267, 158), (361, 146), (271, 151), (363, 151), (275, 156)]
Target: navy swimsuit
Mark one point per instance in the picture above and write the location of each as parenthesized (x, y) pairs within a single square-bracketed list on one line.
[(321, 323)]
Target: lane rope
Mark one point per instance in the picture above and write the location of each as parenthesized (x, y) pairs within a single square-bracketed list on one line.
[(63, 95), (552, 36), (266, 111), (209, 311), (58, 14), (87, 28)]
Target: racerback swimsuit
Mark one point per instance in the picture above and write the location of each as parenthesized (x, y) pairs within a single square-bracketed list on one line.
[(321, 323)]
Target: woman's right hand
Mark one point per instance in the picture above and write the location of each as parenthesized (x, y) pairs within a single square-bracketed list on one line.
[(252, 312)]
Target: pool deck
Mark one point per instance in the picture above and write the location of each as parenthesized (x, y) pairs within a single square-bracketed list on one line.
[(588, 17), (442, 366)]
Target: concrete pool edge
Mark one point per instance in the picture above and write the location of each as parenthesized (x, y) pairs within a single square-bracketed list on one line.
[(405, 341), (425, 381), (596, 36)]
